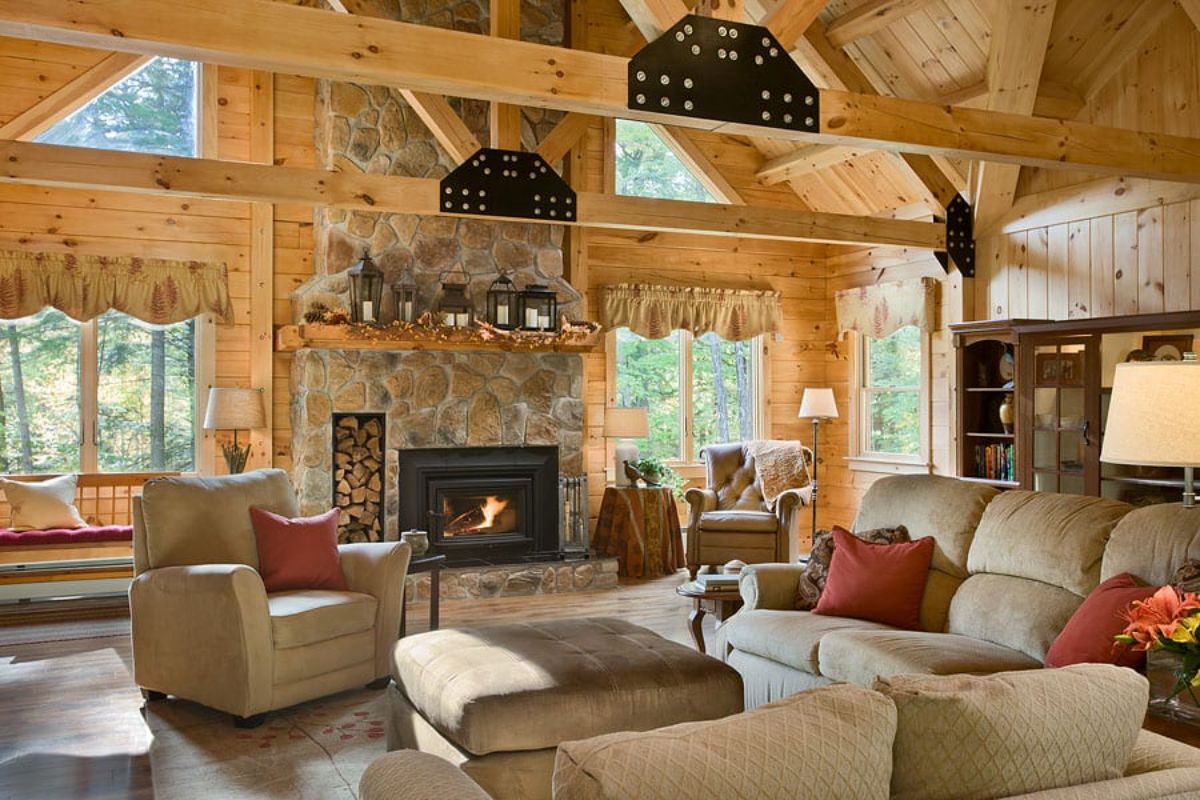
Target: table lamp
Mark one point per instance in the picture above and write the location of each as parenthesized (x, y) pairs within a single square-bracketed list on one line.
[(625, 425), (1145, 426), (817, 404), (232, 409)]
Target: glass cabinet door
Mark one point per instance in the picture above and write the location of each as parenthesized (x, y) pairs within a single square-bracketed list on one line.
[(1062, 439)]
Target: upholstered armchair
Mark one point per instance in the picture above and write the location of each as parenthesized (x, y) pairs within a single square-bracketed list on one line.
[(204, 626), (729, 519)]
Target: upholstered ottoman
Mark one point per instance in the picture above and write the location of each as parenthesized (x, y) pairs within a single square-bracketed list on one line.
[(498, 700)]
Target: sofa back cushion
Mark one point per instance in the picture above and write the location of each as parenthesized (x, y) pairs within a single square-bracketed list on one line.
[(1151, 543), (1034, 559), (731, 475), (206, 520), (946, 509), (964, 737), (835, 741)]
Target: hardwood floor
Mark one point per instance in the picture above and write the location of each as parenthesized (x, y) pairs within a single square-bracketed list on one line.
[(72, 718)]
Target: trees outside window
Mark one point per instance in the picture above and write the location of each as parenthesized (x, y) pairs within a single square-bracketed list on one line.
[(699, 390), (154, 110), (646, 167), (890, 394)]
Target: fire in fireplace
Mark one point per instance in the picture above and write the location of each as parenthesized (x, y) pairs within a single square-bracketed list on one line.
[(482, 504)]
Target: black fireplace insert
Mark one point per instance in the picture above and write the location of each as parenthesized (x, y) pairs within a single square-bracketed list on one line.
[(482, 504)]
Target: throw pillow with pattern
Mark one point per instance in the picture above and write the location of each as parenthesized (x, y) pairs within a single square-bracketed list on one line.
[(816, 572), (1187, 577)]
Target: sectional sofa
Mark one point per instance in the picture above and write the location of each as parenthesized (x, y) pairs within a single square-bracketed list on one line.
[(1009, 569)]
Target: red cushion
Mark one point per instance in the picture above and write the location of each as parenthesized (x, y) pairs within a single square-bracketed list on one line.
[(1088, 635), (877, 582), (298, 553), (90, 535)]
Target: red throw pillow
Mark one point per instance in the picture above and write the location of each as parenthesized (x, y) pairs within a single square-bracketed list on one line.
[(877, 582), (1088, 635), (298, 553)]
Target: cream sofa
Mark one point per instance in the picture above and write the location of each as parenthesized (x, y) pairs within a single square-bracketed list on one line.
[(205, 628), (1009, 569), (1071, 734)]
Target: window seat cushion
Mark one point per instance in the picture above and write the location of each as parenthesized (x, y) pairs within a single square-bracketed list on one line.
[(92, 534)]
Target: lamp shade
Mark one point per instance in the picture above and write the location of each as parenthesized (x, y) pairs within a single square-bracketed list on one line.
[(1148, 421), (817, 402), (231, 409), (626, 423)]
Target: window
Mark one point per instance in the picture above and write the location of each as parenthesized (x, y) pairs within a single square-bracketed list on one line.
[(891, 381), (646, 167), (151, 111), (114, 394), (699, 390)]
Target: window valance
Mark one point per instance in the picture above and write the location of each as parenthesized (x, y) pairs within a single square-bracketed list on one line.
[(882, 309), (655, 311), (83, 287)]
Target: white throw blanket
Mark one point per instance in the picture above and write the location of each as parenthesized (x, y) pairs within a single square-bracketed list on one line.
[(778, 465)]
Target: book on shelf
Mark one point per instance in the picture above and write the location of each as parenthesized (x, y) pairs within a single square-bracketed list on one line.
[(995, 462)]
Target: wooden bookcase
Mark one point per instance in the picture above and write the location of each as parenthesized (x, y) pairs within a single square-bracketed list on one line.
[(1061, 381)]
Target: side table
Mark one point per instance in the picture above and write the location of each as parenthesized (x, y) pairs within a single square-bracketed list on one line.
[(722, 605), (640, 526), (433, 565)]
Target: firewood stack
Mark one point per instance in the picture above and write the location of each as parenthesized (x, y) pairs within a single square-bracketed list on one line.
[(358, 477)]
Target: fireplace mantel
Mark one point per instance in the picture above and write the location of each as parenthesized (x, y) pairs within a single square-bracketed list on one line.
[(318, 336)]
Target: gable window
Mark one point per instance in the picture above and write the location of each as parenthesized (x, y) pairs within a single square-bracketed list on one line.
[(114, 394), (153, 110), (699, 390), (646, 167)]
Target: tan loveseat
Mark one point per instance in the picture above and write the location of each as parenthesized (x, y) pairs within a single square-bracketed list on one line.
[(1071, 734), (729, 519), (205, 628), (1009, 570)]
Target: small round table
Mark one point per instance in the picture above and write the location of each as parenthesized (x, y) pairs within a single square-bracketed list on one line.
[(721, 604)]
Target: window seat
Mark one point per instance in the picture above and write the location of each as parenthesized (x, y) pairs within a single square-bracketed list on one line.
[(93, 534)]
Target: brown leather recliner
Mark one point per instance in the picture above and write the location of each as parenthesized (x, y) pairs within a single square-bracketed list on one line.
[(730, 520)]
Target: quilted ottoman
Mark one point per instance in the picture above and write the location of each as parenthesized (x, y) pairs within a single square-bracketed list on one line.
[(498, 700)]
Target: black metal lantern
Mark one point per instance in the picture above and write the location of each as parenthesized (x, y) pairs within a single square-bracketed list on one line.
[(366, 290), (454, 305), (502, 303), (404, 295), (539, 308)]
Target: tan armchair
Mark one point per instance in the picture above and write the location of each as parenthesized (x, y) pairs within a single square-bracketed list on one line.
[(205, 628), (728, 519)]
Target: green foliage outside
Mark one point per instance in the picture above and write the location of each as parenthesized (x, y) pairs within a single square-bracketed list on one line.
[(150, 111), (647, 168), (722, 408), (39, 394), (893, 381)]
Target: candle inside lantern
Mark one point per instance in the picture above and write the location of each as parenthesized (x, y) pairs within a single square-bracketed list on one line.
[(544, 322), (408, 311), (460, 320), (531, 318), (502, 314), (368, 311)]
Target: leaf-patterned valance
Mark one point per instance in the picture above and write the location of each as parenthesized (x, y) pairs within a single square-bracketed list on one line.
[(882, 309), (83, 287), (655, 311)]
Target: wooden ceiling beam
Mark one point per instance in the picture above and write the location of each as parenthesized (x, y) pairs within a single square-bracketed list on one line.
[(72, 96), (1192, 9), (1122, 46), (680, 142), (504, 119), (804, 161), (565, 135), (868, 18), (790, 19), (313, 42), (652, 17), (444, 123), (1055, 100), (77, 167), (1018, 51)]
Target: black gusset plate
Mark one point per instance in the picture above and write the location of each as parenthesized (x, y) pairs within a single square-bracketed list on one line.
[(960, 237), (507, 183), (729, 71)]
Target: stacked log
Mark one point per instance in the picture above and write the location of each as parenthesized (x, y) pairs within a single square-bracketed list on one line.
[(358, 476)]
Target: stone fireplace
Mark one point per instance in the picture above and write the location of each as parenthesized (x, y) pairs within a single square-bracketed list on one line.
[(489, 505)]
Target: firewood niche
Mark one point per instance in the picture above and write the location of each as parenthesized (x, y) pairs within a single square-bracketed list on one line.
[(358, 475)]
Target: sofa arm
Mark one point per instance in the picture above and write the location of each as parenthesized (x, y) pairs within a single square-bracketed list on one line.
[(412, 775), (379, 569), (770, 586), (203, 632)]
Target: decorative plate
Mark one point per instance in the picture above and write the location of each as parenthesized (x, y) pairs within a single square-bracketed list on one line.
[(1006, 366), (1168, 352)]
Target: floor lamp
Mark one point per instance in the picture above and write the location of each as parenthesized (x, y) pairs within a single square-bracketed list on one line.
[(817, 404), (1144, 427)]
